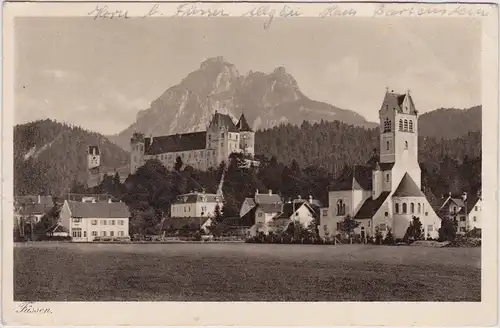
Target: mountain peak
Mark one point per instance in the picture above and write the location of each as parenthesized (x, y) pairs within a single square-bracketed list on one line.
[(214, 61)]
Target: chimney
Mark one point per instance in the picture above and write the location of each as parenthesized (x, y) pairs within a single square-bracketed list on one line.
[(299, 197), (449, 194), (256, 191), (310, 198), (270, 192), (39, 199)]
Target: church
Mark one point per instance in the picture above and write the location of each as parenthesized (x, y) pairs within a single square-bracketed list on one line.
[(385, 193), (201, 150)]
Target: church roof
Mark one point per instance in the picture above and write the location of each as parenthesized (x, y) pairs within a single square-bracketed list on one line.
[(242, 124), (175, 143), (355, 178), (408, 188), (94, 150), (371, 206), (395, 101)]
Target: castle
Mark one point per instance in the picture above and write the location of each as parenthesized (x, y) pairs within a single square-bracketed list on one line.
[(386, 192), (201, 150)]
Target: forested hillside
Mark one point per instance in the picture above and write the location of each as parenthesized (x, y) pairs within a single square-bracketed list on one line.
[(49, 156)]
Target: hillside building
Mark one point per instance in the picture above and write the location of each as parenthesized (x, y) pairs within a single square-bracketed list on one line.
[(386, 193), (465, 210), (96, 171), (201, 150)]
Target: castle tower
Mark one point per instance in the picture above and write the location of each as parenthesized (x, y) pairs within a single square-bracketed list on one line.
[(247, 136), (137, 145), (93, 157), (399, 136)]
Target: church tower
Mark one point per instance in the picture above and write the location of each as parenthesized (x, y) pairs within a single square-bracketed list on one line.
[(93, 157), (399, 136)]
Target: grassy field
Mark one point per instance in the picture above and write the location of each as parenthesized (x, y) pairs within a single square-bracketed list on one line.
[(244, 272)]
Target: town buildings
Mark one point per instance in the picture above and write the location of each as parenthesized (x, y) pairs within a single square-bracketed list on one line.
[(87, 220), (386, 192), (28, 211), (201, 150), (465, 210)]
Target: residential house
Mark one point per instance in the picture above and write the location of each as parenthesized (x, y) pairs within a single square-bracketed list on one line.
[(261, 209), (386, 192), (87, 220), (298, 211), (465, 210)]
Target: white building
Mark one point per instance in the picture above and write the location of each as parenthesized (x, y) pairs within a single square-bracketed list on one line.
[(195, 204), (201, 150), (467, 213), (299, 211), (386, 193), (87, 220)]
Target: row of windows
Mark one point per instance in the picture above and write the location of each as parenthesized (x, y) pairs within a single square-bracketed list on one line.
[(78, 233), (403, 209), (108, 222), (404, 125)]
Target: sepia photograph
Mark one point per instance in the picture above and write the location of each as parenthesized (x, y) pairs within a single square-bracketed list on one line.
[(185, 153)]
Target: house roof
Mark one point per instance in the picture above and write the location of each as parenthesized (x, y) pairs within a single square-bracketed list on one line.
[(270, 208), (249, 217), (408, 188), (371, 206), (287, 211), (34, 209), (94, 150), (175, 143), (98, 210), (34, 199), (267, 199), (194, 223), (471, 202), (224, 120), (354, 178), (195, 197), (395, 101), (242, 124)]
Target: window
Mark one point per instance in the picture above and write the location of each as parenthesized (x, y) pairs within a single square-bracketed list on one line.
[(111, 233), (121, 222), (430, 228), (260, 214), (85, 234), (405, 125), (387, 125), (369, 223), (77, 220), (120, 233), (340, 207), (412, 208), (400, 125), (404, 208), (411, 125), (462, 229), (426, 213), (93, 222), (462, 218), (386, 214), (338, 226), (94, 233), (387, 177), (103, 233), (475, 208), (396, 208), (474, 218), (406, 144), (419, 208), (222, 134), (112, 222), (382, 227), (388, 145), (76, 232), (325, 212), (103, 222)]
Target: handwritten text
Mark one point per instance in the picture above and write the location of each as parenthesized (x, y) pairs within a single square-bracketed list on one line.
[(105, 12), (29, 307)]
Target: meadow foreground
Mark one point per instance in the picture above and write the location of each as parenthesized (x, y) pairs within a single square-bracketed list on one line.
[(244, 272)]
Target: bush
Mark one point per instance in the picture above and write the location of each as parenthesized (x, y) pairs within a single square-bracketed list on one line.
[(389, 238)]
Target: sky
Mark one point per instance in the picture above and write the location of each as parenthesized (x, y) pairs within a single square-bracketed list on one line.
[(99, 73)]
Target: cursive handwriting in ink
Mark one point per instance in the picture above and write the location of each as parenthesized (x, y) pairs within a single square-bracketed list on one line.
[(29, 307), (262, 11), (153, 11), (288, 11), (104, 12), (382, 10), (188, 9), (335, 10)]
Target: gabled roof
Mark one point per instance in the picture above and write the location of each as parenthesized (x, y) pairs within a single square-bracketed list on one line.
[(290, 208), (267, 199), (98, 210), (270, 208), (408, 188), (395, 102), (34, 199), (242, 124), (34, 209), (471, 202), (359, 177), (224, 120), (371, 206), (175, 143)]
